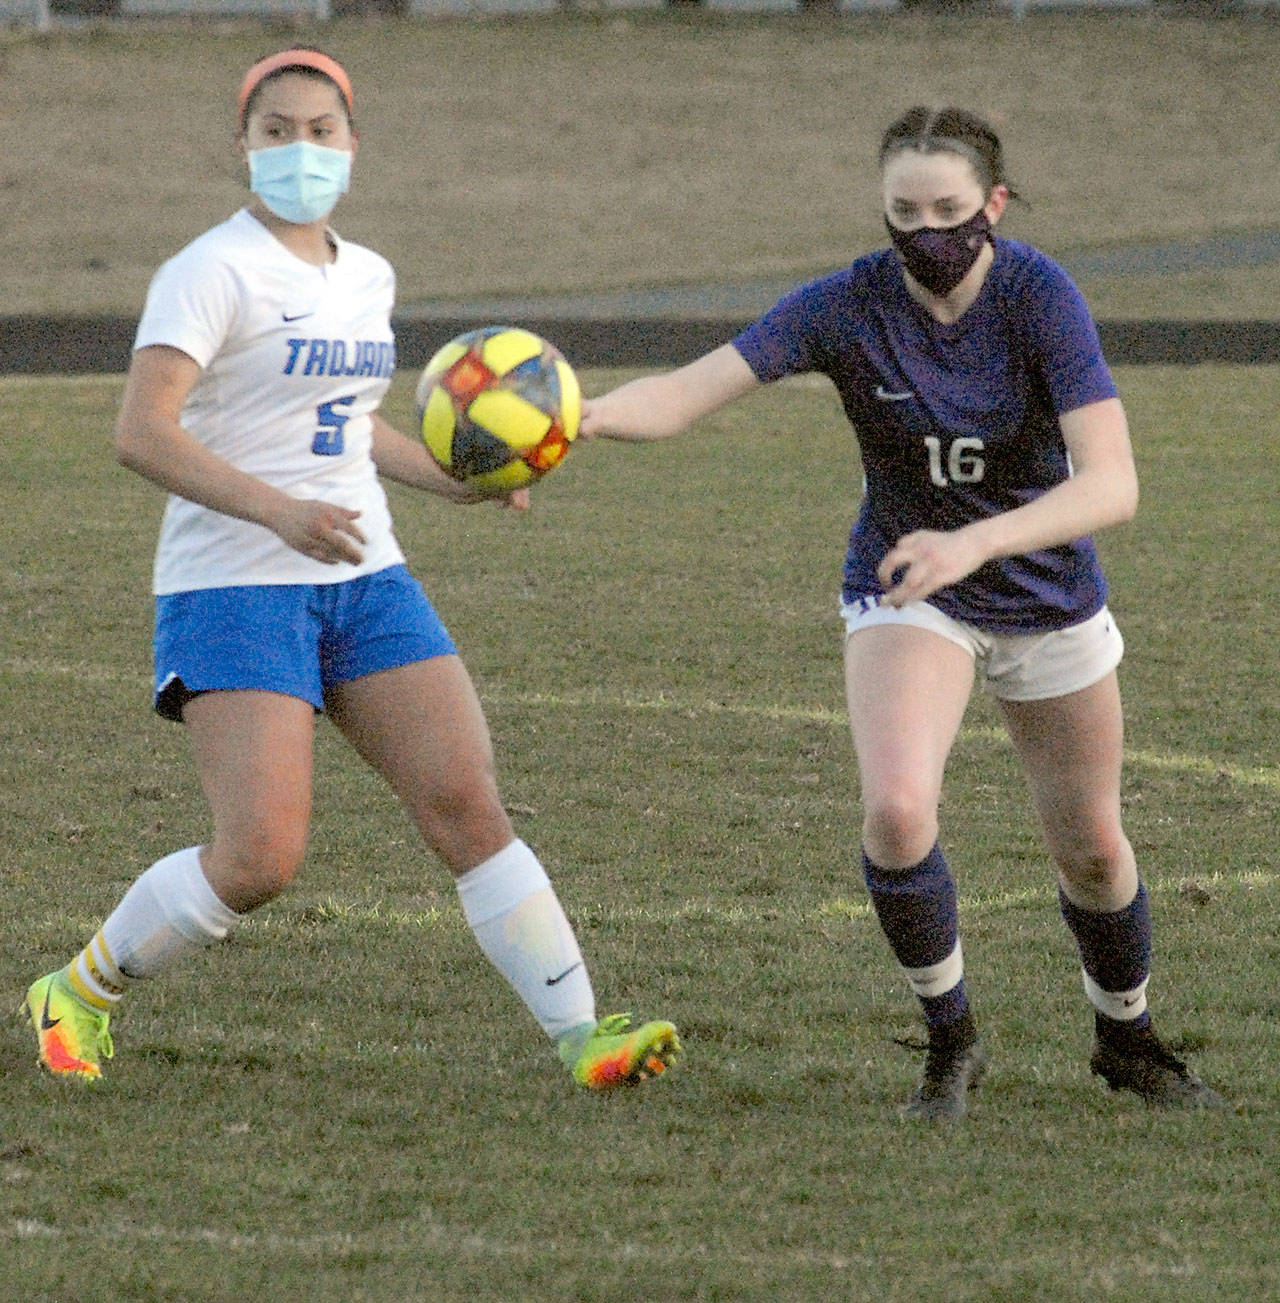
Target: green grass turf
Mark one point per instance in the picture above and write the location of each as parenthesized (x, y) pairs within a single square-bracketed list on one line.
[(576, 154), (345, 1103)]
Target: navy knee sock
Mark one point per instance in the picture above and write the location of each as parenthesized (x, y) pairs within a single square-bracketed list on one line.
[(1115, 953), (917, 912)]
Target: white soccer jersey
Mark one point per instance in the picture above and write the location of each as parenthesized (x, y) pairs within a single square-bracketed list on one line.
[(294, 360)]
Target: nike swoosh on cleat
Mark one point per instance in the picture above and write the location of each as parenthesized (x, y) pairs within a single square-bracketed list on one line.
[(553, 981), (47, 1023)]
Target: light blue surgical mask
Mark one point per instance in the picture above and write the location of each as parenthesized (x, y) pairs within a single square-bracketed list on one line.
[(300, 182)]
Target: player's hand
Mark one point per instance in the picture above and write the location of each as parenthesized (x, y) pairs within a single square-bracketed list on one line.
[(321, 530), (515, 500), (590, 421), (919, 564)]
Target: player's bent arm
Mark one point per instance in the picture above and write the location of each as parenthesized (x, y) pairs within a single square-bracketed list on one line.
[(658, 406), (1102, 489), (150, 440), (407, 461)]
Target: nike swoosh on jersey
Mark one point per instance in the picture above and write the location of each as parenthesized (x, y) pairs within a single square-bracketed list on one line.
[(888, 396), (297, 316)]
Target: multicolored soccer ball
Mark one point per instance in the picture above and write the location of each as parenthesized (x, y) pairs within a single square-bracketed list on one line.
[(498, 408)]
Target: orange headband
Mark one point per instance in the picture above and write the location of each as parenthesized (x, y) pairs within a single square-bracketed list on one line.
[(295, 59)]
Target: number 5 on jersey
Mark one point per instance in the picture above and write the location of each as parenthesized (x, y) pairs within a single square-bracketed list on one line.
[(328, 440)]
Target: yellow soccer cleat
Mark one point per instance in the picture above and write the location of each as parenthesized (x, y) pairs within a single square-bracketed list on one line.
[(614, 1056), (72, 1038)]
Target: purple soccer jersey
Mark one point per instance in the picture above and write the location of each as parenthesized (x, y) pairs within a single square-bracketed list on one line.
[(954, 422)]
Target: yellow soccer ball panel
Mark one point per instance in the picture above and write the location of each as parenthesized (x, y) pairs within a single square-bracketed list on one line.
[(514, 475), (570, 399), (509, 348), (513, 419), (438, 424)]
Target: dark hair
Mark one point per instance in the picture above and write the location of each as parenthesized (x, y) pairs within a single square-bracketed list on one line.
[(301, 70), (956, 131)]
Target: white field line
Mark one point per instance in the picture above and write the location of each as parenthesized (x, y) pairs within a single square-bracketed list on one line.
[(1172, 762), (407, 1238), (388, 919), (22, 382), (1247, 775), (989, 903), (447, 921)]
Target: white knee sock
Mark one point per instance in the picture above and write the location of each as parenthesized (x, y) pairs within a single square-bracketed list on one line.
[(513, 911), (169, 911)]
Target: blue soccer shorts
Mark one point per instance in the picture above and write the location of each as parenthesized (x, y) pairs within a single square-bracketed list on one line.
[(296, 639)]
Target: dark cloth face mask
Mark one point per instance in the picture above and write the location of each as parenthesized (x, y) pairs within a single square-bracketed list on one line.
[(940, 257)]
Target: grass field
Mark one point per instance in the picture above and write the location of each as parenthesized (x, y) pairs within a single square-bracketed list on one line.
[(567, 155), (345, 1104)]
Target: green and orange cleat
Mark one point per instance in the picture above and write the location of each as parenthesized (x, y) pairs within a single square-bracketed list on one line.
[(72, 1037), (616, 1055)]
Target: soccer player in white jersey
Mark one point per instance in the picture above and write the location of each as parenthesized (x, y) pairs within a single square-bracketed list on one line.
[(263, 352), (993, 444)]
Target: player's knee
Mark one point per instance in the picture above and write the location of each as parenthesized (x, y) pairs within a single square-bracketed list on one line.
[(258, 864), (462, 813), (1096, 862), (899, 826)]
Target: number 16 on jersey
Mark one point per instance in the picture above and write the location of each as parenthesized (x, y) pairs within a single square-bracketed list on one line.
[(964, 461)]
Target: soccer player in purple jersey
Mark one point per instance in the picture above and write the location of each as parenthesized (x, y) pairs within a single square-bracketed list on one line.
[(993, 444)]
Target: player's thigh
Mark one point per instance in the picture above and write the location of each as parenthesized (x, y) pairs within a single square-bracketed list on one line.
[(1071, 748), (907, 690), (253, 755), (420, 726)]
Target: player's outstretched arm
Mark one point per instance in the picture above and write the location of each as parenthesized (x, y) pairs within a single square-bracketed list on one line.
[(658, 406)]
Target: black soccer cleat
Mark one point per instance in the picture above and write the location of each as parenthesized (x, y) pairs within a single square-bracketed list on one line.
[(952, 1068), (1137, 1060)]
